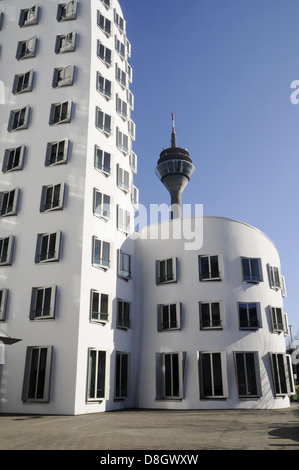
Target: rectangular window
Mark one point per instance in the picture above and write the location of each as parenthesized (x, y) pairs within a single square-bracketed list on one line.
[(101, 204), (48, 247), (283, 287), (104, 24), (173, 375), (130, 99), (26, 49), (132, 129), (123, 314), (123, 179), (213, 380), (210, 315), (121, 107), (249, 314), (133, 161), (121, 76), (99, 307), (105, 54), (123, 220), (282, 374), (101, 253), (277, 319), (122, 141), (274, 277), (104, 86), (119, 21), (36, 385), (19, 119), (252, 270), (9, 202), (135, 196), (13, 159), (63, 76), (103, 122), (121, 375), (209, 268), (67, 11), (124, 265), (61, 112), (129, 71), (166, 271), (57, 152), (169, 316), (65, 43), (120, 48), (102, 161), (106, 3), (52, 197), (6, 250), (23, 82), (43, 303), (247, 374), (3, 303), (96, 374), (28, 16)]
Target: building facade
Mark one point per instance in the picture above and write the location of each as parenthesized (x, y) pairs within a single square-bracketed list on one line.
[(105, 320)]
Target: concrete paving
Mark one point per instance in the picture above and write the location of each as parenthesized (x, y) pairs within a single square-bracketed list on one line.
[(154, 430)]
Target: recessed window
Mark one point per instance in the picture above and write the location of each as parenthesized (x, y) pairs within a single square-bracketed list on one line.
[(252, 270), (104, 86), (120, 48), (9, 202), (169, 316), (105, 54), (121, 375), (248, 379), (121, 107), (101, 204), (3, 304), (61, 112), (121, 76), (249, 315), (19, 119), (282, 374), (104, 24), (96, 375), (65, 43), (36, 387), (67, 11), (101, 253), (23, 82), (48, 247), (29, 16), (209, 268), (213, 376), (57, 152), (170, 368), (99, 307), (119, 21), (122, 141), (103, 122), (123, 220), (13, 159), (27, 48), (277, 319), (210, 315), (123, 179), (52, 197), (102, 161), (63, 76), (6, 250), (43, 303), (123, 314), (124, 265), (166, 271)]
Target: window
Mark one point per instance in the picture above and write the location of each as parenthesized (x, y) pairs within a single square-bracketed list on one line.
[(123, 314), (101, 204), (210, 315), (57, 152), (121, 375), (282, 374), (103, 86), (124, 265), (121, 107), (283, 287), (247, 374), (105, 54), (61, 112), (99, 307), (63, 76), (65, 43), (132, 129), (6, 250), (96, 374), (101, 253), (169, 317), (52, 197), (119, 21), (133, 161), (36, 385), (135, 196), (104, 24), (170, 375), (103, 122), (129, 71), (26, 49), (3, 303), (249, 314), (13, 159), (123, 179), (106, 3), (19, 119), (67, 11), (23, 82), (43, 303), (28, 16), (130, 99), (252, 270), (277, 319), (122, 141), (121, 76), (213, 379), (48, 247), (166, 271), (123, 220), (120, 48), (9, 202), (209, 268), (102, 161), (274, 277)]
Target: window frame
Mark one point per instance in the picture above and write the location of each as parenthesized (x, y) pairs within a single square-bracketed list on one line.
[(122, 374), (67, 72), (122, 141), (106, 93), (213, 324), (105, 25), (45, 375), (107, 264), (27, 85), (96, 374), (33, 16), (123, 177), (135, 196), (53, 198), (202, 272), (3, 304), (165, 280), (62, 117), (104, 54), (163, 374), (105, 207), (6, 248), (121, 107), (278, 369), (274, 277), (50, 152), (170, 324), (26, 49), (106, 3), (11, 207), (124, 260), (99, 161), (123, 219), (35, 300), (103, 122), (210, 376), (251, 323), (133, 161), (55, 249), (68, 15), (124, 314), (19, 119), (257, 377), (252, 278), (65, 43), (11, 156), (121, 77), (99, 316), (277, 326)]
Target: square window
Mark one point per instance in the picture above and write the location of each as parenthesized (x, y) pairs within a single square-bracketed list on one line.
[(101, 253), (209, 268), (26, 49), (36, 385), (6, 250), (210, 315), (96, 375), (3, 304), (63, 76), (57, 152), (65, 43), (249, 315), (166, 271), (13, 159), (61, 112), (23, 82), (19, 119), (29, 16), (67, 11), (48, 247), (9, 202), (52, 197), (102, 161), (252, 270), (43, 303), (99, 307)]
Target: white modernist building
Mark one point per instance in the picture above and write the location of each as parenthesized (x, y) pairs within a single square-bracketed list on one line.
[(92, 319)]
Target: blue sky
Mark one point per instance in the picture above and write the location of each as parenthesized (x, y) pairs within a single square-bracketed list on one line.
[(224, 68)]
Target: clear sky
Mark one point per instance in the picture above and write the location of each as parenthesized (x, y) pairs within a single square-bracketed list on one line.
[(224, 68)]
